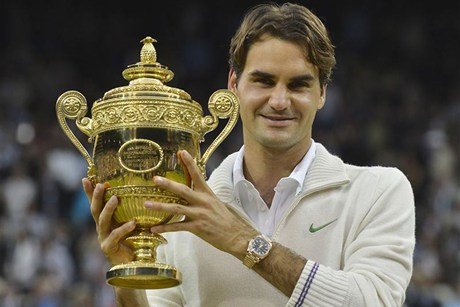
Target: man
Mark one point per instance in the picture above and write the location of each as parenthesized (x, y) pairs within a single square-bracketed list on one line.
[(333, 234)]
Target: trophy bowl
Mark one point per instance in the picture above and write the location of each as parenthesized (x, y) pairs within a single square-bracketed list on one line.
[(136, 132)]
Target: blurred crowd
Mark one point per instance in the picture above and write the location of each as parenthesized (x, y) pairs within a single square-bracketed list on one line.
[(394, 101)]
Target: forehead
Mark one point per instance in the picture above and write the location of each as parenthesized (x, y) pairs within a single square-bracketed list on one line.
[(276, 56)]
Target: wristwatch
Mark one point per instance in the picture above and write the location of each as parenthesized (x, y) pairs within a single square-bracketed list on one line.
[(258, 249)]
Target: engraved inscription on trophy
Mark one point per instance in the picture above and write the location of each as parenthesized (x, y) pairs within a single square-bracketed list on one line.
[(140, 156)]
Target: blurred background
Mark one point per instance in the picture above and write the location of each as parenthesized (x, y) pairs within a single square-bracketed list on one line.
[(394, 101)]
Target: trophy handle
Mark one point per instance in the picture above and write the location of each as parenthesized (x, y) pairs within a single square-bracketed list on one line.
[(73, 105), (222, 104)]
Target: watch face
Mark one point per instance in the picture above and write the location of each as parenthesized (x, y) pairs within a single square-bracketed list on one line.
[(260, 246)]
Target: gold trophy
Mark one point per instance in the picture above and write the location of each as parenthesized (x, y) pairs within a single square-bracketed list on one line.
[(136, 131)]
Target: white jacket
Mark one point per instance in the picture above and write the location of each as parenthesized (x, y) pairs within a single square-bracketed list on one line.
[(363, 258)]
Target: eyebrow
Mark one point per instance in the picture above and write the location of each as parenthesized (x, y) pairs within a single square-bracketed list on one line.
[(262, 74), (306, 78)]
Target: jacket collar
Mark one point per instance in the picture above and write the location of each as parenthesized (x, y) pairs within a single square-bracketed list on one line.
[(326, 171)]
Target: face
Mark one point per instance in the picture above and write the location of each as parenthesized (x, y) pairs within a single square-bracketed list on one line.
[(279, 93)]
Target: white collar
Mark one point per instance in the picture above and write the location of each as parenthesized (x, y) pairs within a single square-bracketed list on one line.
[(298, 174), (326, 171)]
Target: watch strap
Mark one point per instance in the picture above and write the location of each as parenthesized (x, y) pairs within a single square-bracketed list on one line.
[(250, 260)]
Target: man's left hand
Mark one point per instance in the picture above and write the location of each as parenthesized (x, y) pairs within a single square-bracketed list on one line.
[(205, 215)]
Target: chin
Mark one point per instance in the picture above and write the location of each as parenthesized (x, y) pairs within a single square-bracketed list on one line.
[(282, 140), (277, 142)]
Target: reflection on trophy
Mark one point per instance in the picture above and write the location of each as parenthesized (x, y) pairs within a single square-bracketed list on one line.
[(137, 131)]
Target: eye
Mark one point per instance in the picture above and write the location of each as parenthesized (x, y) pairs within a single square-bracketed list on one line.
[(299, 85), (264, 81)]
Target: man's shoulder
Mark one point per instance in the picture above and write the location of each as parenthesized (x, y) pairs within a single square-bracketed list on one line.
[(379, 177), (373, 171), (333, 164), (221, 179), (225, 168)]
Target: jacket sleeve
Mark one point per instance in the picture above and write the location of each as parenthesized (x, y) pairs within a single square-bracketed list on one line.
[(377, 264)]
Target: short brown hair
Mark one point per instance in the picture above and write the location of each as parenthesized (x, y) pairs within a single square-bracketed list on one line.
[(291, 22)]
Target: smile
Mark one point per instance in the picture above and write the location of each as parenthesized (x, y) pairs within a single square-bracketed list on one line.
[(277, 121)]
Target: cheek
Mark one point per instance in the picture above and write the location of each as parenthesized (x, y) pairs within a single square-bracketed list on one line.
[(244, 111), (307, 108), (252, 101), (251, 92)]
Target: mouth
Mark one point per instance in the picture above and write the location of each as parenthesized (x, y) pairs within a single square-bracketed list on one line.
[(278, 120)]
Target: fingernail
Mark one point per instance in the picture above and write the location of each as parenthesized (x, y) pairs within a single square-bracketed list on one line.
[(132, 224), (114, 199), (157, 180), (184, 153), (148, 204)]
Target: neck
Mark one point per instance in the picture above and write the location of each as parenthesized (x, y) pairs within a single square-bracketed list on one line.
[(264, 167)]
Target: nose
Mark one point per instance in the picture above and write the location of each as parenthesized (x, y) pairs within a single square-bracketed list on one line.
[(279, 98)]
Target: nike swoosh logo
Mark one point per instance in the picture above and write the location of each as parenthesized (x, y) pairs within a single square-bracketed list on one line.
[(315, 229)]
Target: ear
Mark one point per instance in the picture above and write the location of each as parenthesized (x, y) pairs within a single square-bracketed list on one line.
[(322, 100), (232, 82)]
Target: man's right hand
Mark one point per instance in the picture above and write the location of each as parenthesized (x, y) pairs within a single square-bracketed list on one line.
[(110, 238)]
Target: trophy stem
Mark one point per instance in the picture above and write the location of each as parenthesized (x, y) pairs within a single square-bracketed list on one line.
[(144, 272), (145, 244)]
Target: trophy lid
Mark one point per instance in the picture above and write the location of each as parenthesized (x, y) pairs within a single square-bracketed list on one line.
[(146, 101), (147, 77)]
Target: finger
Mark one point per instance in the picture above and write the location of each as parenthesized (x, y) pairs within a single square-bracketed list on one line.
[(88, 189), (97, 201), (111, 243), (194, 171), (177, 188), (175, 209), (105, 218), (173, 227), (188, 179)]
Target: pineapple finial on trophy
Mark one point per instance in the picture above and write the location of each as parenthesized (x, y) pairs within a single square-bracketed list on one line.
[(148, 67), (148, 52)]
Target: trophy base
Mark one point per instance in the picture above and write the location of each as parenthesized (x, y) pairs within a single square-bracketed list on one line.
[(143, 275)]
